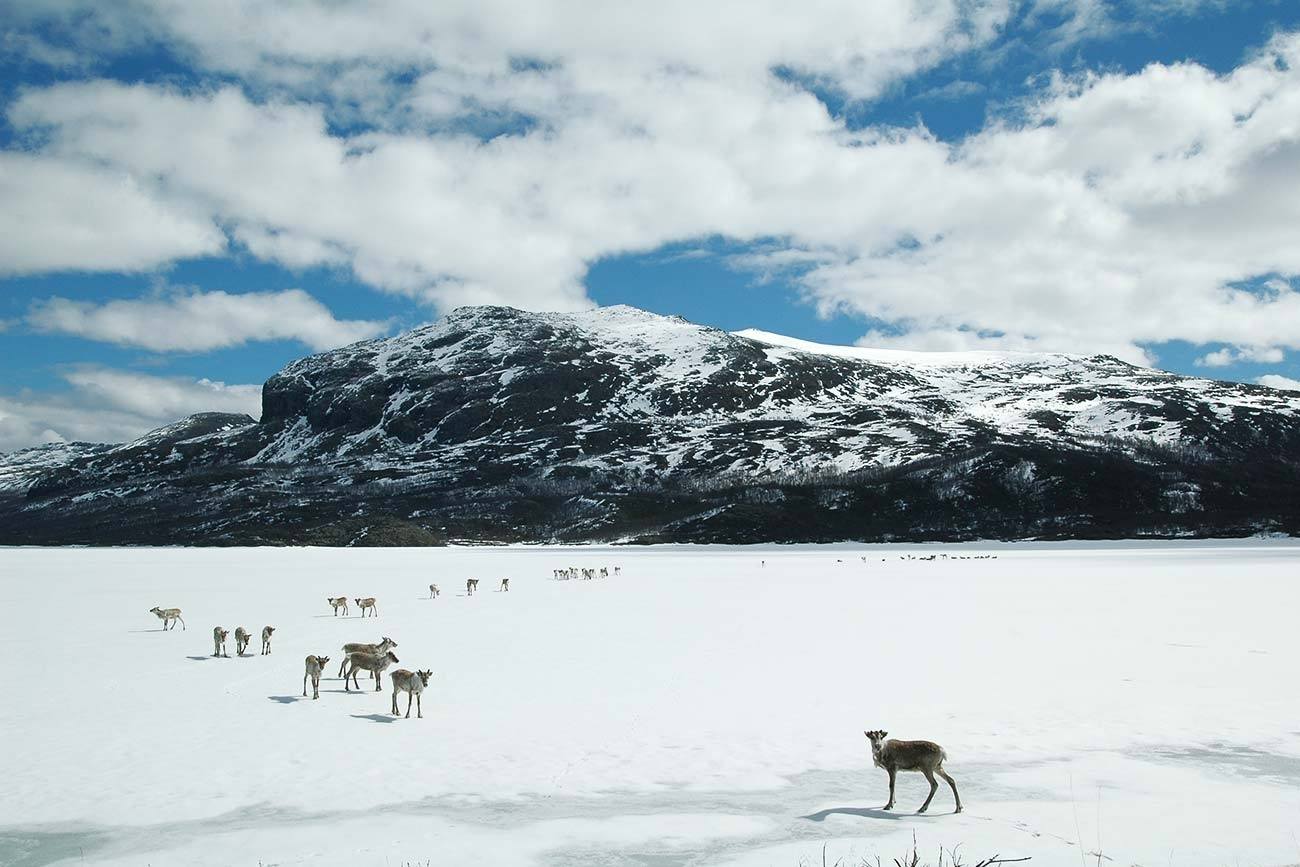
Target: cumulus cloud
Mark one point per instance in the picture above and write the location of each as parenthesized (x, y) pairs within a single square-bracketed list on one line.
[(108, 405), (1113, 211), (200, 321), (1284, 383), (1235, 355), (73, 214)]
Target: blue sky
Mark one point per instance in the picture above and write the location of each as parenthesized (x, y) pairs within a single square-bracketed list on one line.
[(195, 197)]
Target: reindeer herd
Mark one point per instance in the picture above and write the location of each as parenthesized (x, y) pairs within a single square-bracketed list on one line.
[(357, 657), (890, 755)]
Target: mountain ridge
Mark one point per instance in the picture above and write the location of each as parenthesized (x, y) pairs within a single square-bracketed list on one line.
[(617, 424)]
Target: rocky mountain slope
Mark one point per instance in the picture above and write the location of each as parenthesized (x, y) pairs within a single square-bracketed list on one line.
[(616, 424)]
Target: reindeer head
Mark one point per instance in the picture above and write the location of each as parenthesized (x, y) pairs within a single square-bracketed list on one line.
[(877, 739), (270, 629), (391, 657), (323, 660), (424, 676), (355, 599), (390, 642), (155, 610)]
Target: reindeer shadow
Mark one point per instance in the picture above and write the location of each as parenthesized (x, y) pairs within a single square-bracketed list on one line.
[(861, 812), (285, 699), (202, 658), (375, 717), (159, 629)]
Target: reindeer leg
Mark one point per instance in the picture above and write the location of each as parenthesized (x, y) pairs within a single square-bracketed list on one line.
[(408, 704), (952, 784), (378, 681), (419, 708), (304, 686), (394, 710), (892, 776), (934, 787)]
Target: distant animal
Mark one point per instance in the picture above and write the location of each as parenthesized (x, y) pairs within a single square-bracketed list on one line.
[(413, 684), (368, 602), (315, 664), (385, 644), (168, 615), (923, 756), (266, 639), (242, 638), (505, 586), (372, 662), (471, 584), (338, 602), (618, 570), (433, 591), (604, 571), (219, 642)]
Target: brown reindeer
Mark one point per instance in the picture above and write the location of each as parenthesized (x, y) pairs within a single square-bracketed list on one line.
[(923, 756), (368, 603), (471, 584), (337, 602), (219, 641), (266, 639), (315, 664), (386, 644), (371, 662), (413, 684), (242, 638), (168, 615)]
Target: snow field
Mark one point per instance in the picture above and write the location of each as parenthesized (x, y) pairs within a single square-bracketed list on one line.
[(701, 708)]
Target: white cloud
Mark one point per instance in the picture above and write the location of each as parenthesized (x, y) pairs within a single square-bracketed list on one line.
[(107, 405), (1117, 210), (1284, 383), (72, 214), (1230, 355), (199, 321)]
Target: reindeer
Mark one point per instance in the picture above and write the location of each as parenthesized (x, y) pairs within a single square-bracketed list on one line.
[(219, 642), (338, 602), (266, 639), (433, 591), (604, 571), (923, 756), (242, 638), (386, 644), (368, 602), (413, 684), (471, 584), (505, 586), (168, 615), (371, 662), (315, 665), (618, 570)]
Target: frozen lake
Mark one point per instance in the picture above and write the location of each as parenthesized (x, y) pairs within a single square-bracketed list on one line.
[(1136, 700)]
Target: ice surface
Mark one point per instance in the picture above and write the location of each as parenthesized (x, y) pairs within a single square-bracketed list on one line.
[(1136, 700)]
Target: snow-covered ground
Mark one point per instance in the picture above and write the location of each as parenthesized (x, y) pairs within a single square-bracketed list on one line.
[(1138, 700)]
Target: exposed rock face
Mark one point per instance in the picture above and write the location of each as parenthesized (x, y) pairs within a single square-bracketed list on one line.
[(495, 424)]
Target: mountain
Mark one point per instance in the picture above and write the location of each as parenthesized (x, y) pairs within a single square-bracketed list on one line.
[(494, 424)]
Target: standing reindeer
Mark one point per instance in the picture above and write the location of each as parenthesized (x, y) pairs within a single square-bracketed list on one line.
[(505, 586), (385, 644), (923, 756), (219, 642), (371, 662), (315, 664), (433, 591), (168, 615), (242, 638), (413, 684), (471, 584), (266, 639), (368, 602), (338, 602)]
